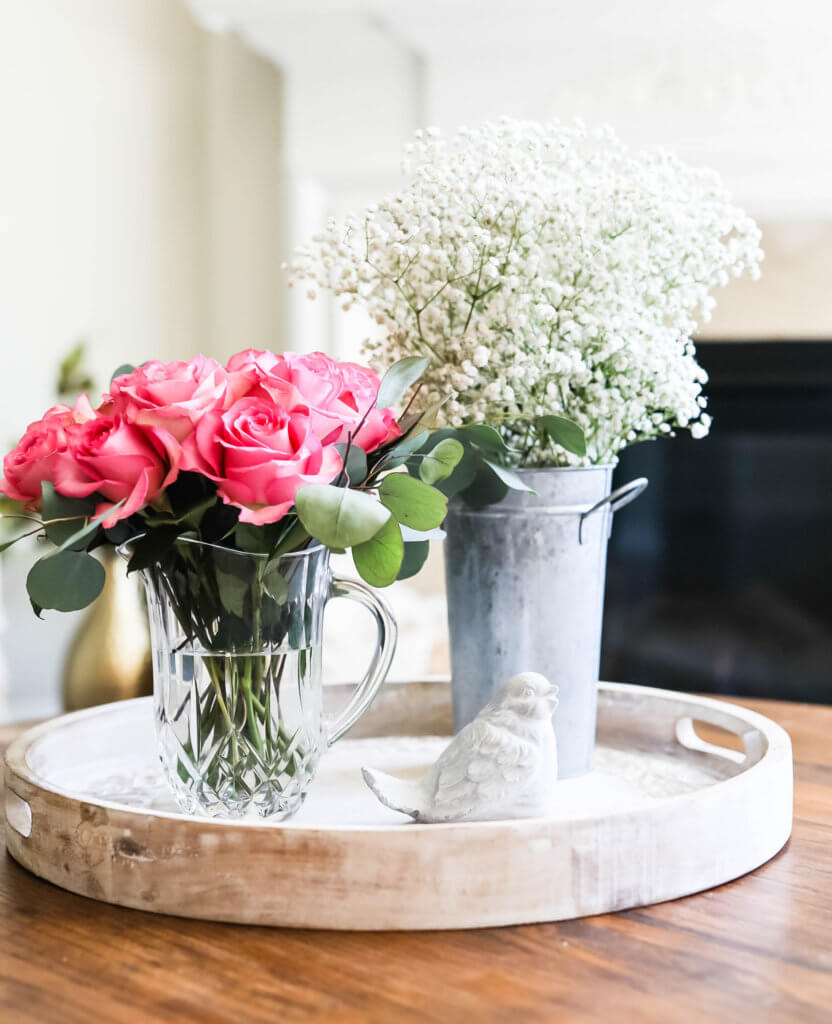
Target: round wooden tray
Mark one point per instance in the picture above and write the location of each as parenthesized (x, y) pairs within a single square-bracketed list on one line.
[(664, 813)]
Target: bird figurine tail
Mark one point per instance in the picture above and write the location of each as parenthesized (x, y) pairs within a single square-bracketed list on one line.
[(398, 794)]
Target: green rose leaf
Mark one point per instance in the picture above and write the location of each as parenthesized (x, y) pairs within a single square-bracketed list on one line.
[(276, 585), (292, 539), (356, 464), (73, 512), (258, 540), (440, 462), (337, 516), (565, 432), (148, 549), (399, 378), (233, 592), (191, 516), (379, 559), (415, 556), (65, 581), (121, 370), (412, 502)]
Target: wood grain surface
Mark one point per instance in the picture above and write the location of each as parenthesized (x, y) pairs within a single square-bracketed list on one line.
[(758, 949)]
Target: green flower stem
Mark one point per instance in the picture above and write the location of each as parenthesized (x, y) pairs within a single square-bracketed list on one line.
[(209, 664), (251, 719)]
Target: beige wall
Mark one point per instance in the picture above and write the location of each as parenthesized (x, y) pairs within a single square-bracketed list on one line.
[(141, 199), (140, 192), (793, 298), (246, 293)]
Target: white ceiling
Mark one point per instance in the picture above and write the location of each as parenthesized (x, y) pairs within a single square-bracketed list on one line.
[(743, 85)]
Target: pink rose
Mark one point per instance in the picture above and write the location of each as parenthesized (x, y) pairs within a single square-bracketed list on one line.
[(259, 454), (122, 461), (35, 457), (172, 396), (338, 395), (359, 388)]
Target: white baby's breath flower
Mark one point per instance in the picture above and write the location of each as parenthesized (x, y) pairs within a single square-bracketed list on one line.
[(547, 256)]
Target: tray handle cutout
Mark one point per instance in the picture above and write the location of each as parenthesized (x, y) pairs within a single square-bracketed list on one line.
[(18, 814), (751, 739)]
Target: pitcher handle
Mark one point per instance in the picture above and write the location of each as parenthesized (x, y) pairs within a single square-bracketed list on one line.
[(382, 657), (620, 497)]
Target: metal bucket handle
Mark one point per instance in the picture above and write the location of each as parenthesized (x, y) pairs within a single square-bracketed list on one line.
[(620, 497)]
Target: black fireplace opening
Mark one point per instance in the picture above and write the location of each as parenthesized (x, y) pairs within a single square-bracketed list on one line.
[(720, 575)]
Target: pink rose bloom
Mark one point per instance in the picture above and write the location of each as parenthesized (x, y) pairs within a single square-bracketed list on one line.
[(259, 454), (122, 461), (337, 394), (359, 387), (35, 457), (172, 396)]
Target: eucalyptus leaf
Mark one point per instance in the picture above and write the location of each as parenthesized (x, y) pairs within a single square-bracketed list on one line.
[(337, 516), (65, 581), (409, 535), (508, 476), (399, 378), (73, 541), (463, 474), (415, 556), (440, 461), (564, 432), (486, 438), (73, 512), (404, 449), (379, 559), (356, 461), (412, 502), (8, 543), (426, 417), (485, 489)]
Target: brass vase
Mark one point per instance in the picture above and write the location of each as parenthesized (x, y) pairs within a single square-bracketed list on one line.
[(109, 658)]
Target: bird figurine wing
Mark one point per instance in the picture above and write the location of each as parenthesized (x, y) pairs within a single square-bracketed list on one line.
[(501, 765), (480, 768)]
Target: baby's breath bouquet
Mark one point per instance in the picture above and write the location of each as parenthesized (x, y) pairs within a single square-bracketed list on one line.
[(553, 279)]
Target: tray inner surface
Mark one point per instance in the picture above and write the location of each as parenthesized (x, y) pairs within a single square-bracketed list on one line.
[(110, 759)]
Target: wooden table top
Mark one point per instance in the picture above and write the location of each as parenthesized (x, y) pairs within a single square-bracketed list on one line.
[(757, 949)]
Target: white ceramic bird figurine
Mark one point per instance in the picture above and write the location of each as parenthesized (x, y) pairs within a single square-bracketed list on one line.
[(502, 765)]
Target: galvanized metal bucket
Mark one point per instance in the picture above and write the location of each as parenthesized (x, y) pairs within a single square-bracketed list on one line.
[(525, 583)]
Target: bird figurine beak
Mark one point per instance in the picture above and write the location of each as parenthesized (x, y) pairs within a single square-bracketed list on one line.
[(552, 696)]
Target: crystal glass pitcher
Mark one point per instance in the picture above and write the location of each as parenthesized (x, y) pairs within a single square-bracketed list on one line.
[(236, 641)]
